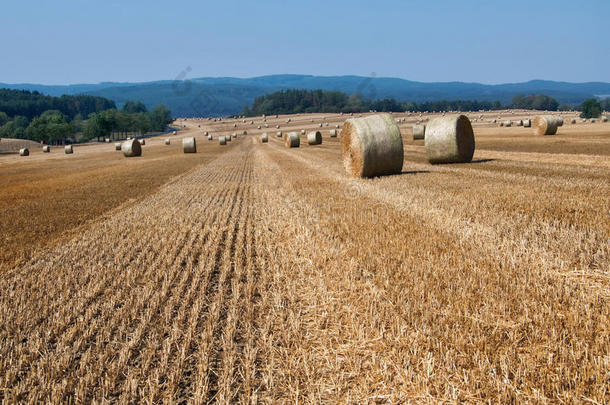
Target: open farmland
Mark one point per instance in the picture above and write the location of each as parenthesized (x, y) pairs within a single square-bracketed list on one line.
[(255, 273)]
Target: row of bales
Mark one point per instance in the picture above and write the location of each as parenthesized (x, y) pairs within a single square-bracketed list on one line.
[(68, 150)]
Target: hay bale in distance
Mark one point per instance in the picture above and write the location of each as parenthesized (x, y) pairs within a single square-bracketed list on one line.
[(264, 138), (46, 149), (167, 141), (68, 149), (333, 133), (142, 141), (314, 138), (527, 123), (292, 140), (507, 123), (419, 131), (228, 138), (131, 148), (222, 140), (278, 134), (24, 152), (546, 124), (302, 132), (244, 133), (371, 146), (573, 121), (117, 146), (449, 139), (210, 137), (189, 145)]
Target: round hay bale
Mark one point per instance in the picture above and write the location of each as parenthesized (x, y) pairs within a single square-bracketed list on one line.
[(288, 120), (314, 138), (507, 123), (604, 119), (501, 123), (107, 140), (278, 134), (167, 141), (302, 132), (234, 125), (449, 139), (173, 132), (527, 123), (573, 121), (206, 133), (264, 138), (210, 137), (68, 149), (244, 133), (222, 140), (233, 135), (333, 133), (320, 125), (292, 140), (277, 127), (117, 146), (24, 152), (142, 142), (228, 138), (189, 145), (259, 127), (519, 123), (593, 120), (46, 149), (419, 131), (337, 126), (326, 124), (545, 124), (131, 148), (371, 146)]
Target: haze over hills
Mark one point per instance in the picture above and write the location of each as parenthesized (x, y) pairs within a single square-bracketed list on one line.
[(228, 95)]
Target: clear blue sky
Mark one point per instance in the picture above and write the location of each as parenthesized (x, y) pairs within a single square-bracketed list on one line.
[(61, 42)]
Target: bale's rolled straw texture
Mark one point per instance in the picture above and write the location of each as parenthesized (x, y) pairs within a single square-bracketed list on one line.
[(546, 124), (46, 149), (333, 133), (449, 139), (24, 152), (264, 138), (131, 148), (371, 146), (117, 146), (419, 131), (292, 140), (222, 140), (314, 138), (68, 149), (167, 141), (527, 123), (189, 145)]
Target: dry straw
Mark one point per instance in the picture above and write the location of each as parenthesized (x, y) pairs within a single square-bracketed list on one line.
[(292, 140), (449, 139), (419, 131), (314, 138), (68, 149), (333, 133), (372, 146), (527, 123), (131, 148), (189, 145), (222, 140), (264, 138), (546, 124)]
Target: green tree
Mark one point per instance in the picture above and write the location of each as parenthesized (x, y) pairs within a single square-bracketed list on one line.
[(3, 118), (591, 108), (49, 127), (134, 107), (160, 117)]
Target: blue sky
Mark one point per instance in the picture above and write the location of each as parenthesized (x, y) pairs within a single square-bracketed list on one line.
[(62, 42)]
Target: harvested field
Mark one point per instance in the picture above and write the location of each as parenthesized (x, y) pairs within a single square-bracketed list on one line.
[(258, 273)]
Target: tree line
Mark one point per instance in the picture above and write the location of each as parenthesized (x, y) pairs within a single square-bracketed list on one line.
[(309, 101), (54, 120)]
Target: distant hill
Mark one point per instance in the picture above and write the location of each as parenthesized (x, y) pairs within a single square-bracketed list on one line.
[(227, 95)]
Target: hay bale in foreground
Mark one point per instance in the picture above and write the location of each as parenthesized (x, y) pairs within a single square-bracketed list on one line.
[(117, 146), (264, 138), (546, 124), (371, 146), (46, 149), (189, 145), (131, 148), (222, 140), (68, 149), (314, 138), (333, 133), (419, 131), (24, 152), (449, 139), (278, 134), (527, 123), (292, 140), (167, 141)]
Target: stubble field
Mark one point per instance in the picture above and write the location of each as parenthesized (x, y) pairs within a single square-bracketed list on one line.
[(254, 273)]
